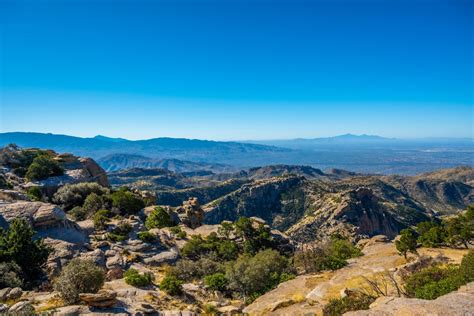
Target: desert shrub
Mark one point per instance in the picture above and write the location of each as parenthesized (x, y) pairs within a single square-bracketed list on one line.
[(34, 193), (221, 249), (339, 306), (251, 276), (189, 270), (286, 277), (146, 236), (137, 279), (18, 246), (10, 275), (342, 248), (433, 282), (43, 167), (331, 255), (159, 218), (209, 309), (407, 242), (466, 268), (101, 218), (216, 281), (71, 195), (78, 213), (171, 285), (92, 204), (178, 232), (126, 202), (79, 276), (120, 232), (182, 234)]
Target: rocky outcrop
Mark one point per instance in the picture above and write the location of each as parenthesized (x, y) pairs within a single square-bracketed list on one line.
[(460, 302), (266, 199), (76, 170), (191, 213), (47, 219)]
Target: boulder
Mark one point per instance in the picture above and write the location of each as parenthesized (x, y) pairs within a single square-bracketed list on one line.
[(47, 219), (22, 308), (3, 308), (114, 262), (190, 213), (163, 257), (15, 293), (102, 299), (97, 256)]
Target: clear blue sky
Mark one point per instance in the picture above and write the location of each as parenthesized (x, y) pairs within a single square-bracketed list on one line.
[(237, 69)]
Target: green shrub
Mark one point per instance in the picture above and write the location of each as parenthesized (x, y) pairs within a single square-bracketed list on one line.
[(216, 281), (331, 255), (221, 249), (342, 248), (255, 275), (181, 235), (339, 306), (43, 167), (101, 218), (126, 202), (190, 270), (71, 195), (120, 233), (79, 276), (171, 285), (467, 266), (159, 218), (18, 246), (10, 275), (146, 236), (286, 277), (433, 282), (92, 204), (34, 193), (137, 279), (77, 213)]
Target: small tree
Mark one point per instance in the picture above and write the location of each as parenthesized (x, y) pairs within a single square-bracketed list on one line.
[(460, 230), (407, 242), (159, 218), (79, 276), (17, 245)]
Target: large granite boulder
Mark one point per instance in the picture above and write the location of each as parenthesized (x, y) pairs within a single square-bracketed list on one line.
[(47, 219)]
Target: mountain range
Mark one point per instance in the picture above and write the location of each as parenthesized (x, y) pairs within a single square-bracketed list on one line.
[(359, 153)]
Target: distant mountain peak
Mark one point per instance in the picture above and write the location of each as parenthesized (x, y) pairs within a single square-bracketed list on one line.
[(109, 139)]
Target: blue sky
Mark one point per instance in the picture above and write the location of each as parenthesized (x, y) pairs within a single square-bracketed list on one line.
[(237, 69)]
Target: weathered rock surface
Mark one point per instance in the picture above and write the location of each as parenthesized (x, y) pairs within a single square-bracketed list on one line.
[(460, 302), (102, 299), (47, 219), (191, 213)]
